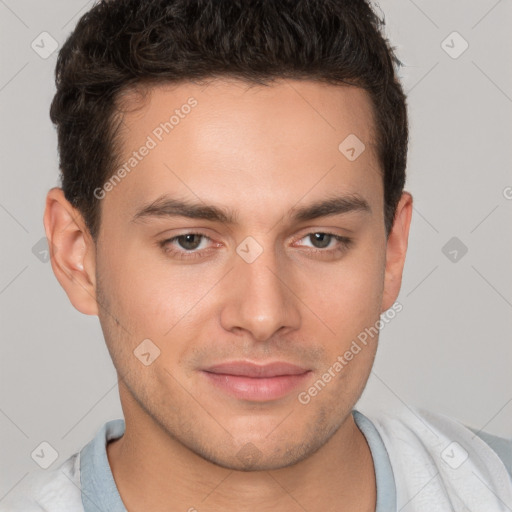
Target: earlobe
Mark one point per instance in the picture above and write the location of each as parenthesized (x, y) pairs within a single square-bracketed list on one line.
[(71, 251), (396, 251)]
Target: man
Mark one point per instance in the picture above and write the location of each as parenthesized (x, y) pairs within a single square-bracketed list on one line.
[(232, 209)]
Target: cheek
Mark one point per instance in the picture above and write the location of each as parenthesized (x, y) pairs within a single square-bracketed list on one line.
[(135, 295), (139, 280), (155, 293), (349, 293), (162, 301)]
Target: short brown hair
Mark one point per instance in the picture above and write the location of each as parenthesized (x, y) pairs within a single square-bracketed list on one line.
[(122, 43)]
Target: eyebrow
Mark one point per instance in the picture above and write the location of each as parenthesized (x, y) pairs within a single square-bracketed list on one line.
[(166, 206)]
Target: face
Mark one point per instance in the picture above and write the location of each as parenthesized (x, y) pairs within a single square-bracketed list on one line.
[(255, 275)]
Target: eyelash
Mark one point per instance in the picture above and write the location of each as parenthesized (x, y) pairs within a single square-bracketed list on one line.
[(345, 242)]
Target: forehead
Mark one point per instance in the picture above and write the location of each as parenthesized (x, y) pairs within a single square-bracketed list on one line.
[(229, 140)]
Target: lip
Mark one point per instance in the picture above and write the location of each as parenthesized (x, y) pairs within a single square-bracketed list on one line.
[(246, 380), (250, 369)]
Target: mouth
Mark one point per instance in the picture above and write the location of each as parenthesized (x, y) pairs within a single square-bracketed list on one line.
[(246, 380)]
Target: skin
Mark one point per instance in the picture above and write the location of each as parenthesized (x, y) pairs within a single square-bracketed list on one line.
[(260, 151)]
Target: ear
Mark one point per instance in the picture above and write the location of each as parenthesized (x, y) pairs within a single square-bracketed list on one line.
[(396, 250), (72, 251)]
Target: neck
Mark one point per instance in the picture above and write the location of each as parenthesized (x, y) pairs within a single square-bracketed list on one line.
[(158, 473)]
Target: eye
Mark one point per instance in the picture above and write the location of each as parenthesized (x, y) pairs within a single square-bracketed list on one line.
[(190, 242), (188, 245), (322, 240)]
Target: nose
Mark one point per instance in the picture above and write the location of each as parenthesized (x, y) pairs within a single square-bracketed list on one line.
[(260, 296)]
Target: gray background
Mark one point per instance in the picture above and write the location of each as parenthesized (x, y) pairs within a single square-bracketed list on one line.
[(450, 348)]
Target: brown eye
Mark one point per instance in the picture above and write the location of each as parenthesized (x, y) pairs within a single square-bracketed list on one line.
[(185, 246), (190, 241), (321, 239), (322, 243)]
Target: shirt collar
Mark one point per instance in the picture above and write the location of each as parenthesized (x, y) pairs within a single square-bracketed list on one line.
[(100, 494)]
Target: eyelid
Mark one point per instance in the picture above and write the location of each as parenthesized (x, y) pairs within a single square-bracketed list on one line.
[(343, 243), (187, 254), (198, 233)]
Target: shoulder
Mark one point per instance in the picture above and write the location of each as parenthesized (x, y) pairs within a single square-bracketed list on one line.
[(501, 445), (53, 490), (438, 461), (434, 429)]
